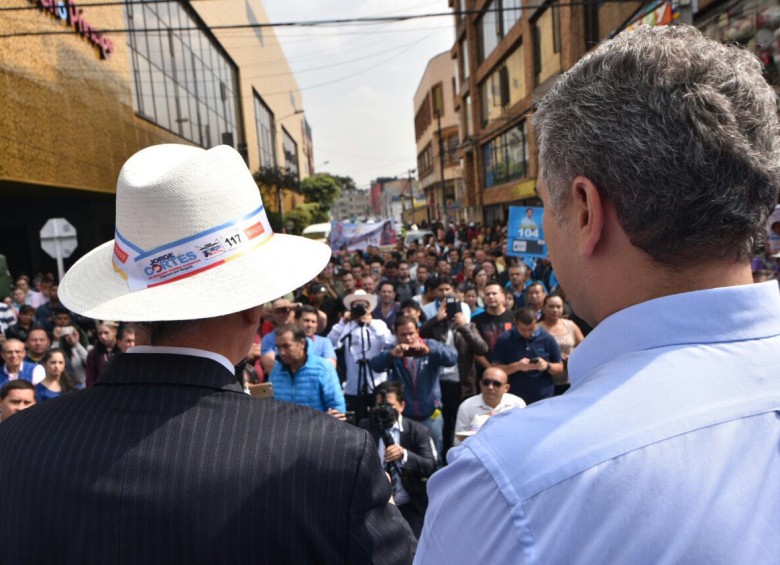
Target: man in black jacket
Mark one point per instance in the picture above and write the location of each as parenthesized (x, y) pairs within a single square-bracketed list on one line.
[(408, 454), (166, 459)]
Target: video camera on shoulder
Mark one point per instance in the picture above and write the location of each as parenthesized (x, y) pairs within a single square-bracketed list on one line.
[(383, 415)]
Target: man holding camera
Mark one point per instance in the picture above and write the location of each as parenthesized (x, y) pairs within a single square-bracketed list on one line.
[(451, 327), (530, 356), (405, 450), (361, 338), (417, 363)]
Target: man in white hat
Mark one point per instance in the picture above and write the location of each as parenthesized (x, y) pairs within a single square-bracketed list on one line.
[(166, 459), (362, 338)]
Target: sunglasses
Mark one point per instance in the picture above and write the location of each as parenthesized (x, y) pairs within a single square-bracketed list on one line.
[(494, 384), (281, 310)]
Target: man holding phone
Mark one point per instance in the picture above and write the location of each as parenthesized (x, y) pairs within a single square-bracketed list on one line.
[(530, 356), (444, 289)]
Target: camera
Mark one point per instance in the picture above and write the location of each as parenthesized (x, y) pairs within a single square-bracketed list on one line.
[(358, 311), (383, 415), (453, 307), (413, 351)]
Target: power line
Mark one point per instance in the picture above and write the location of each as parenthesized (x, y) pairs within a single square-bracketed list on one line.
[(309, 23)]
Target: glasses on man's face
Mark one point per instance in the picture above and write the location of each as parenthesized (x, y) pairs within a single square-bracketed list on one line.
[(495, 384), (281, 310)]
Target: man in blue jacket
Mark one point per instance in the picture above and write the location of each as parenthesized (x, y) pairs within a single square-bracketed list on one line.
[(305, 379), (416, 362)]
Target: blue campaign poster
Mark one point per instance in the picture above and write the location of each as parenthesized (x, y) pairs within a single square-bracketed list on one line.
[(525, 233)]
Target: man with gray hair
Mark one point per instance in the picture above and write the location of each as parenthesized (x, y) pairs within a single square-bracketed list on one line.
[(659, 164)]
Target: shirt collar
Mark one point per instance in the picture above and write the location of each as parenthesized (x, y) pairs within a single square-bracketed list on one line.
[(706, 316), (221, 359)]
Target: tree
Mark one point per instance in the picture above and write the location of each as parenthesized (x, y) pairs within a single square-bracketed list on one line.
[(322, 190), (272, 181), (302, 216)]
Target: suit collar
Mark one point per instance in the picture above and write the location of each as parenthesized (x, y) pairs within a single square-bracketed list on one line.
[(169, 369)]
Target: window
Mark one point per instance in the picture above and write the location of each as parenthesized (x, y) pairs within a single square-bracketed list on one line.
[(464, 56), (515, 65), (511, 13), (452, 149), (488, 30), (425, 161), (266, 133), (467, 104), (290, 153), (547, 44), (423, 117), (182, 81), (437, 99), (499, 17), (504, 86), (506, 157)]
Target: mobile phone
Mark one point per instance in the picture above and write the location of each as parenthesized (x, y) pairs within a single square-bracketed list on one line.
[(453, 306), (535, 360), (261, 390)]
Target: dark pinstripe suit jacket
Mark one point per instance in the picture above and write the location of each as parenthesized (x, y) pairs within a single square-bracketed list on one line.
[(168, 461)]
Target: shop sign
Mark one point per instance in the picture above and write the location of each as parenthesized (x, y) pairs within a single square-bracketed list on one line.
[(73, 16)]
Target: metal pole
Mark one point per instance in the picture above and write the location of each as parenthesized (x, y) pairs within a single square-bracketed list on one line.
[(281, 209), (441, 165)]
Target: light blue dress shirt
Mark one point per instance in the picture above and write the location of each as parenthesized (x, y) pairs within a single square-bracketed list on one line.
[(666, 449)]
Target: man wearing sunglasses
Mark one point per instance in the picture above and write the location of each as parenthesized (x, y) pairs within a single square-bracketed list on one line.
[(495, 398)]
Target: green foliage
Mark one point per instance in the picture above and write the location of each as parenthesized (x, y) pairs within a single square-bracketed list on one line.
[(302, 216), (322, 190)]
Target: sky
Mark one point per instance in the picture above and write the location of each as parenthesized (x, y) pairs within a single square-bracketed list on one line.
[(363, 121)]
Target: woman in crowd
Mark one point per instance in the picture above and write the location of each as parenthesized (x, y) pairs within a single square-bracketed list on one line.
[(565, 332), (480, 280), (76, 354), (473, 300), (105, 349), (57, 381), (490, 268)]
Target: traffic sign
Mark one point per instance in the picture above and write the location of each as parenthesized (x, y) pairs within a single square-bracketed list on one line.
[(58, 239)]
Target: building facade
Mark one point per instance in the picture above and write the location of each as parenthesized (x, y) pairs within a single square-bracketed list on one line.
[(507, 56), (352, 205), (76, 102), (436, 129)]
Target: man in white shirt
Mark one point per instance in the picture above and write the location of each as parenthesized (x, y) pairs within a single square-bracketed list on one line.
[(659, 164), (495, 398)]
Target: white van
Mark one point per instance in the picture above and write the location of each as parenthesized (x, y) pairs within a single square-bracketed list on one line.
[(317, 232)]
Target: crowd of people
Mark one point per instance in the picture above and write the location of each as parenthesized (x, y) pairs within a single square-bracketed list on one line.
[(447, 319), (460, 329)]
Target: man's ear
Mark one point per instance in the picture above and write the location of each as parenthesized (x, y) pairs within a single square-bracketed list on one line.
[(588, 214)]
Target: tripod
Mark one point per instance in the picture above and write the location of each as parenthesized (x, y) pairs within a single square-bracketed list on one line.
[(365, 382)]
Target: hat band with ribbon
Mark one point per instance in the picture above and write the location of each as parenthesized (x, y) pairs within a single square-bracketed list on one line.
[(191, 255)]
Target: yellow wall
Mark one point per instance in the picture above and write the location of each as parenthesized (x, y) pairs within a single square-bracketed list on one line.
[(66, 115)]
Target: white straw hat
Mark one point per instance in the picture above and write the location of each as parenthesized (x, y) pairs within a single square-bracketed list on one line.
[(360, 295), (192, 241)]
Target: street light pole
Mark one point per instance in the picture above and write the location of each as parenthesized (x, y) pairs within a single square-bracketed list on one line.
[(441, 163)]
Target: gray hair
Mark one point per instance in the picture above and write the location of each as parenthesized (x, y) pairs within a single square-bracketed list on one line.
[(678, 132)]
